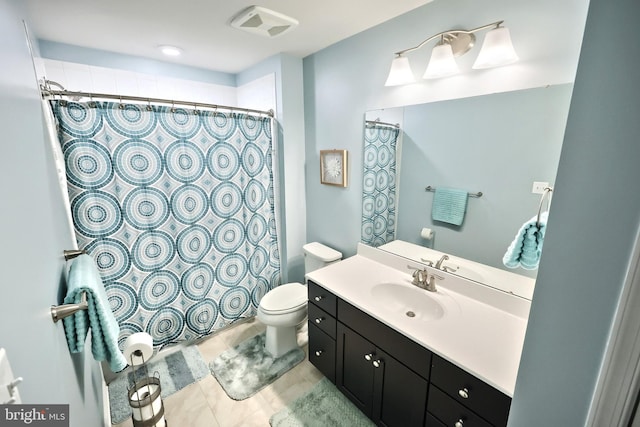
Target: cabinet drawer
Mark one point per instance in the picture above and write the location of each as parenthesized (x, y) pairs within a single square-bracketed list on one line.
[(410, 353), (433, 422), (322, 320), (322, 298), (450, 412), (322, 352), (483, 399)]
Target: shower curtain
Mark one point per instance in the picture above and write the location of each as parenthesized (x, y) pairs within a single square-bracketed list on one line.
[(379, 184), (177, 207)]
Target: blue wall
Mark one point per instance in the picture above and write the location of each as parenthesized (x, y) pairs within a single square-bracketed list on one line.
[(592, 227), (34, 235)]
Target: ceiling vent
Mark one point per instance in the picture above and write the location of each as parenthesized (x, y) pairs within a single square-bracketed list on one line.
[(263, 22)]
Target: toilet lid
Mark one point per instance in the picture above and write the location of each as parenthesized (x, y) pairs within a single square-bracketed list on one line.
[(285, 297)]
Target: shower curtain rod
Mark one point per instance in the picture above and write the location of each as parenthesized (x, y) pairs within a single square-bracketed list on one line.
[(48, 92), (378, 122)]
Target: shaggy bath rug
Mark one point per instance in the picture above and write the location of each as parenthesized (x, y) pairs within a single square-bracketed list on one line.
[(176, 370), (322, 406), (245, 369)]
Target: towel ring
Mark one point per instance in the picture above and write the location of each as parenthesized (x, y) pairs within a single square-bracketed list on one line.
[(546, 191)]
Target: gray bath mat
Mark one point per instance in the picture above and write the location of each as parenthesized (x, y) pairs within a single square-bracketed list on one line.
[(245, 369), (322, 406), (176, 370)]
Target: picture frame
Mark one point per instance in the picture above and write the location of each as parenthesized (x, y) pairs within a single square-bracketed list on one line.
[(333, 167)]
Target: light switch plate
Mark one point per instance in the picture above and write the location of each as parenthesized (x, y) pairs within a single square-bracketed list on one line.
[(538, 187), (6, 378)]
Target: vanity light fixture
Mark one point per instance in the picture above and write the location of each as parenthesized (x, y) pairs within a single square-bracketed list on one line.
[(497, 50)]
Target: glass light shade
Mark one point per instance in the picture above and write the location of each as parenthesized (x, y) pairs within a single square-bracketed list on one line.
[(497, 50), (442, 62), (400, 72)]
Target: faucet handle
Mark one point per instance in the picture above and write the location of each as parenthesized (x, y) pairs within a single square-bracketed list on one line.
[(427, 261), (432, 274)]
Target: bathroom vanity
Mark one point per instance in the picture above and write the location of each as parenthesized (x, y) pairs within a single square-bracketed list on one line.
[(408, 357)]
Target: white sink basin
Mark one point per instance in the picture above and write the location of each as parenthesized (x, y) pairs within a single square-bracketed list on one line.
[(407, 300)]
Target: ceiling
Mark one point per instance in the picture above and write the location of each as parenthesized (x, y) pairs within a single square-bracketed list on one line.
[(201, 27)]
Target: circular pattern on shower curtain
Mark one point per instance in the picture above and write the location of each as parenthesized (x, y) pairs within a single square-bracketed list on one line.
[(88, 164), (379, 185), (177, 209)]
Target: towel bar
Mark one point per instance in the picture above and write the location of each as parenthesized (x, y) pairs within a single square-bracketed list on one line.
[(432, 189), (72, 253), (65, 310)]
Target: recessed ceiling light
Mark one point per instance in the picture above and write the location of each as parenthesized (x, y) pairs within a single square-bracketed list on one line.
[(170, 50)]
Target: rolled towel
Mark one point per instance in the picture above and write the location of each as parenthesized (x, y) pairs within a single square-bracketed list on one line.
[(85, 277), (526, 248)]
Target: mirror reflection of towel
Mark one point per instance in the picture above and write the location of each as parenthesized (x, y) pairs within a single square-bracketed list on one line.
[(449, 205), (526, 248)]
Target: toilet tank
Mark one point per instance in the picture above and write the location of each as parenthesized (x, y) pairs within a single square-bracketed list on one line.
[(317, 255)]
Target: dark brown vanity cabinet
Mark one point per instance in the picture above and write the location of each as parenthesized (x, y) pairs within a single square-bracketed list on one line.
[(392, 379), (379, 385), (460, 399), (322, 330)]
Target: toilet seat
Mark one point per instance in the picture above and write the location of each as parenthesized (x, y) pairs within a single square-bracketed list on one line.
[(284, 299)]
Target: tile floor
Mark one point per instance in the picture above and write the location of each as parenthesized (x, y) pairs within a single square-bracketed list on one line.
[(206, 404)]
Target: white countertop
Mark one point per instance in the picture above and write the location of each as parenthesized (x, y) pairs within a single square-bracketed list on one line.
[(482, 330)]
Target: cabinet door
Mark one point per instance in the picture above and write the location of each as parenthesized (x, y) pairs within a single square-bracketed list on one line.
[(354, 373), (400, 394), (322, 352)]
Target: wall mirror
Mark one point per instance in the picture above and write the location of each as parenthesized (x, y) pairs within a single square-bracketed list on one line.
[(498, 144)]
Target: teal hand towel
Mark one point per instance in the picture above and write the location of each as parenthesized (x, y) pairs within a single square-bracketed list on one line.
[(85, 277), (526, 248), (449, 205)]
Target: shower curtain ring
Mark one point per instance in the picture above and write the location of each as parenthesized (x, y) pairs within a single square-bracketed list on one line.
[(92, 103), (195, 109), (149, 105), (121, 106), (173, 107)]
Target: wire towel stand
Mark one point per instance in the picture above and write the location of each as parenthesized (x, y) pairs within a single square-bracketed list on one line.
[(476, 195)]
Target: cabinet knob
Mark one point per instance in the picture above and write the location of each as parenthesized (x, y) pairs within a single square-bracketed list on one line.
[(318, 353), (318, 298), (459, 423), (368, 357), (319, 320), (377, 363), (463, 393)]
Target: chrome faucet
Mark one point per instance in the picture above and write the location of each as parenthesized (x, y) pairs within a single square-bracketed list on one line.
[(444, 268), (424, 280)]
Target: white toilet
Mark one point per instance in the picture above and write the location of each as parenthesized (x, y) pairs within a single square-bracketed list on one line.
[(285, 307)]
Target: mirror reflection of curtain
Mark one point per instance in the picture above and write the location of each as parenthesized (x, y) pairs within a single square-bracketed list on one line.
[(379, 198), (177, 209)]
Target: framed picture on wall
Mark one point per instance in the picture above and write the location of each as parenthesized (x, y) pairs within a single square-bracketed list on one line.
[(333, 167)]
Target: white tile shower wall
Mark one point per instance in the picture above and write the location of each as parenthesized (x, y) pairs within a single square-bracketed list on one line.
[(259, 94), (87, 78)]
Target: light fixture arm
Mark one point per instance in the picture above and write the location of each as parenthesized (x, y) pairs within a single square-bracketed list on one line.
[(447, 36)]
